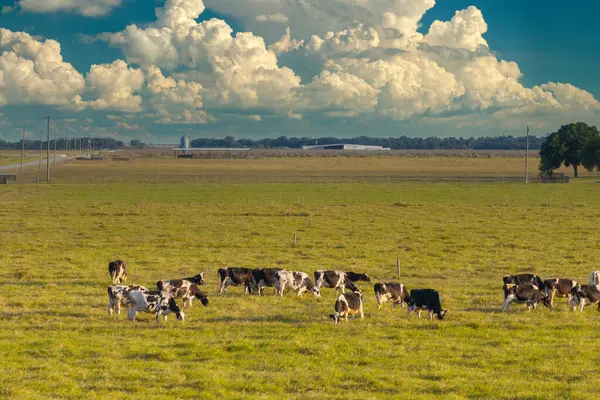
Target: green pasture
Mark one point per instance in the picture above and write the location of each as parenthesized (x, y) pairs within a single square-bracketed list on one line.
[(57, 341)]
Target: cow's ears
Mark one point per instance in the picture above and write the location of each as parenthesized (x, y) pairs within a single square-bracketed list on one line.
[(444, 312)]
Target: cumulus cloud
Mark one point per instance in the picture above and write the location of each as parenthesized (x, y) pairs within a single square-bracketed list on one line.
[(464, 31), (279, 18), (88, 8), (113, 87)]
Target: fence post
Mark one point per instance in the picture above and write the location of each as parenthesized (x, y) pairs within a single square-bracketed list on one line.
[(294, 241), (398, 266)]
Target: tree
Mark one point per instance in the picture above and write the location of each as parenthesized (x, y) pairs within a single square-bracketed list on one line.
[(590, 157), (566, 146), (137, 143)]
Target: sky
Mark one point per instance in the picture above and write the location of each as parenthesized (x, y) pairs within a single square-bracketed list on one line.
[(157, 69)]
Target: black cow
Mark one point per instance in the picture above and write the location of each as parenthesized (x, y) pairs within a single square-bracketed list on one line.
[(426, 299), (354, 277), (348, 304), (117, 271), (397, 293), (334, 279), (262, 277), (585, 295), (527, 293), (522, 279), (235, 277)]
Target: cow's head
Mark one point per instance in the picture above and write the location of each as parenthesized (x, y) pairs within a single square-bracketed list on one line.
[(198, 279), (335, 317), (163, 286), (315, 290), (442, 313)]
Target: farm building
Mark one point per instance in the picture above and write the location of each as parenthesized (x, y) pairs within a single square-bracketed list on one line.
[(344, 146)]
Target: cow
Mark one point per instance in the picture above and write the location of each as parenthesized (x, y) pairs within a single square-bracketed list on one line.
[(397, 293), (117, 296), (522, 279), (334, 279), (157, 302), (558, 286), (262, 277), (595, 278), (355, 277), (583, 295), (296, 281), (183, 289), (117, 272), (527, 293), (348, 304), (426, 299), (235, 276)]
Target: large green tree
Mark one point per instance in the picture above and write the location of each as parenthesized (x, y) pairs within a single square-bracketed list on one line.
[(566, 146), (590, 157)]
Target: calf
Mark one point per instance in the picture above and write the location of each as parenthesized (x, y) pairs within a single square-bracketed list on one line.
[(296, 281), (426, 299), (397, 293), (180, 288), (235, 277), (157, 302), (354, 277), (595, 278), (583, 295), (348, 304), (262, 277), (334, 279), (558, 286), (117, 272), (522, 279), (117, 296), (527, 293)]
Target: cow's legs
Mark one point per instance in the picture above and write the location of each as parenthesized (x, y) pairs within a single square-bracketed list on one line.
[(430, 314), (581, 304), (378, 298), (410, 310), (509, 299), (362, 314), (301, 290), (552, 295), (131, 314), (419, 313)]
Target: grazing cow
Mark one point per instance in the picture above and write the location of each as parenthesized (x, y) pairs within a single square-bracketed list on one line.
[(595, 278), (426, 299), (334, 279), (184, 289), (235, 277), (522, 279), (157, 302), (296, 281), (397, 293), (262, 277), (117, 296), (527, 293), (558, 286), (117, 272), (354, 277), (348, 304), (585, 295)]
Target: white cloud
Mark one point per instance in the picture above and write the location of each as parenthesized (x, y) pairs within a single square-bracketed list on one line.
[(88, 8), (113, 86), (464, 31), (278, 18)]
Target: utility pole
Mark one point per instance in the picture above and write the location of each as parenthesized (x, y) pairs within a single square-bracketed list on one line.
[(41, 148), (48, 154), (527, 159), (22, 151), (55, 146)]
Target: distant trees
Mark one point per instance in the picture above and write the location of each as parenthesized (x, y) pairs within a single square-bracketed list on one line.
[(137, 143), (61, 144), (566, 147)]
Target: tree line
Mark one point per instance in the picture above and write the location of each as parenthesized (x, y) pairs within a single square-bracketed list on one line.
[(61, 144)]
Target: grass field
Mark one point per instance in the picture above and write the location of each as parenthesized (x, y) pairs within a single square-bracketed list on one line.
[(58, 342), (8, 157)]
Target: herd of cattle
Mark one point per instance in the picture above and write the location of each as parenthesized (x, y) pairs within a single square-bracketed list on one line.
[(524, 288), (162, 302)]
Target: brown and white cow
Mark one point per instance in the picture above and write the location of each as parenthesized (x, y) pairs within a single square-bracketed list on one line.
[(117, 297), (397, 293), (235, 276), (528, 293), (595, 278), (348, 304), (585, 295), (558, 286), (182, 288), (295, 281), (337, 280), (262, 277), (117, 271), (156, 302)]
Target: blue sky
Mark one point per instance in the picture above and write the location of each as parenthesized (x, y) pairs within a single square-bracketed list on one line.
[(460, 81)]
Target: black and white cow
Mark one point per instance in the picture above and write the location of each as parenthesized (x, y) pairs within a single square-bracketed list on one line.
[(117, 296), (558, 286), (397, 293), (262, 277), (348, 304), (117, 271), (585, 295), (595, 278), (337, 280), (522, 279), (355, 277), (527, 293), (156, 302), (184, 289), (233, 276), (295, 281), (426, 299)]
